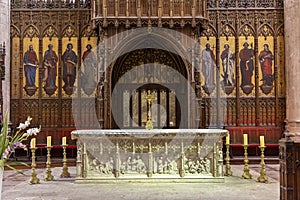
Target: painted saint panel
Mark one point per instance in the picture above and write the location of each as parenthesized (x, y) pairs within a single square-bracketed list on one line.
[(88, 69), (228, 65), (246, 59), (266, 65), (50, 66), (30, 65), (70, 64), (208, 64)]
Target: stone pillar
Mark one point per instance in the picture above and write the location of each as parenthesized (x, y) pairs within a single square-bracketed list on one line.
[(290, 145), (292, 65), (5, 37)]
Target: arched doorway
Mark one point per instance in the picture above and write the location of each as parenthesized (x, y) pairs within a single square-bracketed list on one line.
[(159, 72)]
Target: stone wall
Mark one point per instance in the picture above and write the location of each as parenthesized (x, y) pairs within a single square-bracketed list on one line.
[(5, 37)]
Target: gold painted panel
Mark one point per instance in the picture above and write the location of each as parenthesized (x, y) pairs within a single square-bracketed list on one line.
[(34, 41), (15, 62), (65, 42), (266, 65), (208, 84), (46, 43), (246, 64), (90, 84), (227, 62), (281, 66)]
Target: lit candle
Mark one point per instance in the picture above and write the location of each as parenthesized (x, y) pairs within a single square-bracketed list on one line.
[(48, 141), (64, 141), (262, 141), (245, 139), (228, 139), (32, 143)]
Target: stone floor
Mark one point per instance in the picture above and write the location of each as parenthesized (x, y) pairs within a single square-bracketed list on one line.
[(15, 186)]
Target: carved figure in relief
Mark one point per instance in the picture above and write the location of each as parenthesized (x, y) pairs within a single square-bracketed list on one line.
[(208, 69), (50, 66), (207, 165), (246, 64), (140, 165), (228, 62), (90, 66), (266, 57), (30, 65), (160, 165), (70, 60)]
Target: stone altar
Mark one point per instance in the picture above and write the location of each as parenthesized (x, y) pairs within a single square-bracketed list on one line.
[(176, 155)]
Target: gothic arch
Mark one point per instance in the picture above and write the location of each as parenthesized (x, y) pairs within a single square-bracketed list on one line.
[(265, 30), (87, 31), (280, 30), (210, 31), (246, 30), (31, 31), (69, 31), (50, 31), (14, 31), (227, 30), (163, 41)]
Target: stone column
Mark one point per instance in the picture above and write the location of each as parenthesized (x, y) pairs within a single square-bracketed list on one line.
[(5, 37), (289, 146), (292, 65)]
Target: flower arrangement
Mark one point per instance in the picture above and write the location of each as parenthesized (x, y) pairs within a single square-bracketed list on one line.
[(10, 141)]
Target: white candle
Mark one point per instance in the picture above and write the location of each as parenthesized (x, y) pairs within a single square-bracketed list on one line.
[(32, 143), (245, 139), (262, 141), (64, 141), (48, 141), (228, 139)]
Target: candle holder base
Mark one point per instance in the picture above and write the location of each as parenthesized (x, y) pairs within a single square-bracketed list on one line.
[(65, 173), (246, 174), (48, 176), (34, 179), (262, 177), (228, 171)]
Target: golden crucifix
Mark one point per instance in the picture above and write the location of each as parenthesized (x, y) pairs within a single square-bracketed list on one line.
[(149, 98)]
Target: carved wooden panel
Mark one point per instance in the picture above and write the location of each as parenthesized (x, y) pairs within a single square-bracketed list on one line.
[(63, 22)]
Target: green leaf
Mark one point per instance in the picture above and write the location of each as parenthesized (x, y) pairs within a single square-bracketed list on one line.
[(3, 138)]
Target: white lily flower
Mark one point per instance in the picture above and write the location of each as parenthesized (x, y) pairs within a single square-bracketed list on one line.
[(32, 131), (27, 122), (22, 126)]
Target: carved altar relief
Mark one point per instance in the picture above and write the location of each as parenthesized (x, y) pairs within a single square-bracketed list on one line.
[(157, 154)]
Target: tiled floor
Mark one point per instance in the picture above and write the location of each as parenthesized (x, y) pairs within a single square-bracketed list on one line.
[(15, 186)]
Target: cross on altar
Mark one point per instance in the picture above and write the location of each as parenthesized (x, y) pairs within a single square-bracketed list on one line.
[(149, 98)]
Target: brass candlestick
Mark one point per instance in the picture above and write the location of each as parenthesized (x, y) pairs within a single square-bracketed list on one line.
[(228, 171), (34, 179), (65, 173), (48, 175), (262, 177), (246, 174)]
